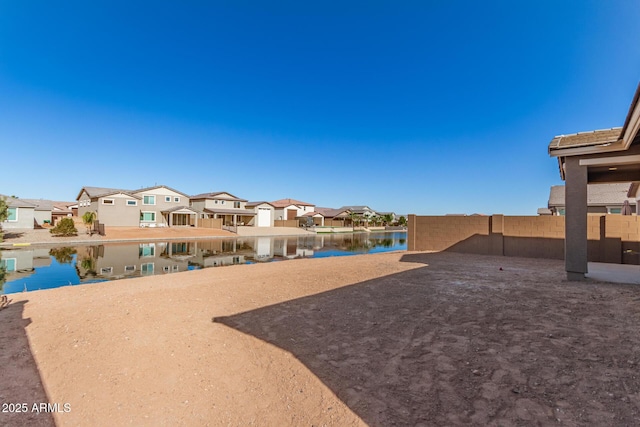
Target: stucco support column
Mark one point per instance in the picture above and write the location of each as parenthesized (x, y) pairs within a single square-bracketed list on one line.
[(575, 242)]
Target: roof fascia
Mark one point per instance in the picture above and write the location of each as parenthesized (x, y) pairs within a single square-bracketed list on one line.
[(632, 122)]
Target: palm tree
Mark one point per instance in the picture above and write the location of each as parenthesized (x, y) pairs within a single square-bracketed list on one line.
[(88, 219), (354, 217), (388, 219)]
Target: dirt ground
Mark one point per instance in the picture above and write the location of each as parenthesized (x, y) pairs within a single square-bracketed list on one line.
[(386, 339)]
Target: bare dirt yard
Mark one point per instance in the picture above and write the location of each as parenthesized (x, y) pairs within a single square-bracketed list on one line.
[(436, 339)]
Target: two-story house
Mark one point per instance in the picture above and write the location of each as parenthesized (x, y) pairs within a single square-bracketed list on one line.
[(158, 206), (231, 209)]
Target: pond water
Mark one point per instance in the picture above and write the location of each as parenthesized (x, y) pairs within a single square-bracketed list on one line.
[(28, 269)]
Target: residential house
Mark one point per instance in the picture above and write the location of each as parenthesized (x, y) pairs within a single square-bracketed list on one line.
[(286, 209), (601, 198), (42, 211), (231, 209), (364, 211), (21, 214), (62, 210), (158, 206), (330, 217), (265, 213)]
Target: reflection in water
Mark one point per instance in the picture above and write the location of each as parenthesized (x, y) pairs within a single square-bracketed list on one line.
[(32, 269)]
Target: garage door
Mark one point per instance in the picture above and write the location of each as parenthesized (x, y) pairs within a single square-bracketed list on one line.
[(264, 217)]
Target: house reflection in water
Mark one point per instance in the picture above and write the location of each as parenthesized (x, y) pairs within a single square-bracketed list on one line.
[(63, 266), (21, 263)]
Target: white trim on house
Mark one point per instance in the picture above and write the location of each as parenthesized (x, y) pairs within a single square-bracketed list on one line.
[(128, 203), (129, 268), (147, 212), (5, 263), (111, 201), (145, 266), (176, 199), (16, 215)]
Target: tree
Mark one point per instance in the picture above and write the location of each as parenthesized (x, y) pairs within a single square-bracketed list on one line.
[(402, 221), (387, 218), (65, 227), (88, 219), (4, 213), (63, 255)]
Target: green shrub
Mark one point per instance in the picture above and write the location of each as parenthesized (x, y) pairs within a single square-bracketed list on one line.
[(65, 227)]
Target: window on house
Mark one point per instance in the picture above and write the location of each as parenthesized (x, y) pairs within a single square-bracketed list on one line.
[(129, 268), (236, 204), (167, 198), (176, 199), (13, 214), (108, 201), (147, 250), (149, 200), (222, 202), (561, 211), (148, 216), (132, 203), (9, 264), (215, 202), (614, 210), (146, 269), (106, 270)]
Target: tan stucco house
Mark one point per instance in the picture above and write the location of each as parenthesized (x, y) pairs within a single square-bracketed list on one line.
[(158, 206), (21, 214), (287, 209), (231, 209)]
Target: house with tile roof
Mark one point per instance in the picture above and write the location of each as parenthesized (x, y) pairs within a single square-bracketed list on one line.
[(157, 206), (21, 214), (287, 209), (364, 211), (221, 204), (594, 157), (601, 198), (265, 213)]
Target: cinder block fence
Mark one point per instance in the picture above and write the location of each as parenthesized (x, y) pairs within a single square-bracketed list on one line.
[(611, 238)]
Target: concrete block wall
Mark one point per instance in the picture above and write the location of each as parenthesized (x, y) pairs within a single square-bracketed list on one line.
[(611, 238), (438, 233)]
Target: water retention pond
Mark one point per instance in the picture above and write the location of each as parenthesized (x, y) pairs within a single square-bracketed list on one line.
[(33, 268)]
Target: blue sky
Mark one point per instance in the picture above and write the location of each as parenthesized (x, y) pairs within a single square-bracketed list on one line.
[(427, 107)]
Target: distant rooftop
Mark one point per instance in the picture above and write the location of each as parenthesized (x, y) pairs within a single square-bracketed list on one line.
[(597, 194)]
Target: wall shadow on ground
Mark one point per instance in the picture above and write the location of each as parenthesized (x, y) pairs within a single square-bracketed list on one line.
[(607, 249), (439, 346), (21, 382)]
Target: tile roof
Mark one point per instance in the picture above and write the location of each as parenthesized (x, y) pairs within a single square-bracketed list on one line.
[(214, 195), (585, 139), (96, 192), (597, 194), (158, 186), (331, 213), (17, 203), (254, 204), (286, 202), (41, 204)]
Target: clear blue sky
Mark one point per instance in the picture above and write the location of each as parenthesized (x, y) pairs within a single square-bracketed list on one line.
[(426, 107)]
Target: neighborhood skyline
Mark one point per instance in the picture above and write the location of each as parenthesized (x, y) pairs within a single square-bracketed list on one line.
[(410, 107)]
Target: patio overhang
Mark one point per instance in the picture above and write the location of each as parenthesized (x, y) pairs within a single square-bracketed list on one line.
[(602, 156)]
